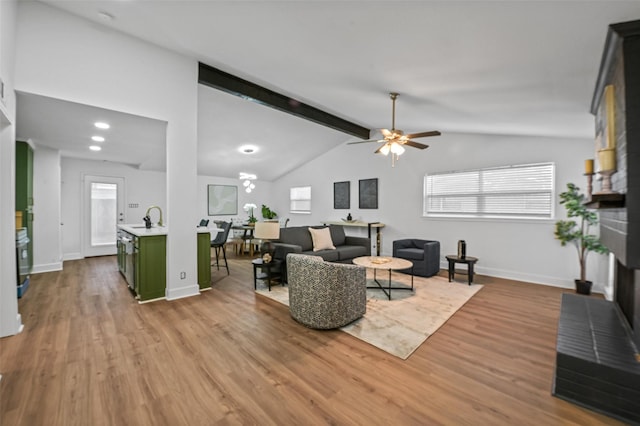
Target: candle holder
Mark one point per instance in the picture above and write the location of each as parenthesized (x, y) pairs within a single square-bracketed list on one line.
[(589, 184), (606, 182)]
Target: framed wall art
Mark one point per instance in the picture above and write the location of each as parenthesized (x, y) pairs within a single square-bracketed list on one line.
[(368, 193), (222, 200), (342, 195)]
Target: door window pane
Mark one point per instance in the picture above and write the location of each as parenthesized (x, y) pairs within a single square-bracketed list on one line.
[(103, 213)]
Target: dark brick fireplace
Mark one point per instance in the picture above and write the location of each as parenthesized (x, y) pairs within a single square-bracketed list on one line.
[(598, 359)]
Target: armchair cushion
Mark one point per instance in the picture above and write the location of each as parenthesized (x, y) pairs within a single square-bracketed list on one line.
[(410, 253)]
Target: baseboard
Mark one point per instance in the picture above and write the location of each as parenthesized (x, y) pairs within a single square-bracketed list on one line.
[(519, 276), (19, 323), (72, 256), (182, 292), (47, 267)]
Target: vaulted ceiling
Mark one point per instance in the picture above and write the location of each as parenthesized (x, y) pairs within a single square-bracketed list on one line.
[(508, 67)]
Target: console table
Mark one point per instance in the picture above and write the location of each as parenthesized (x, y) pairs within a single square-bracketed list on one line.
[(368, 225)]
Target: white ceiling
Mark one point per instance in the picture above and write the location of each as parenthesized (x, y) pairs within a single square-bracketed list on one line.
[(69, 126), (500, 67)]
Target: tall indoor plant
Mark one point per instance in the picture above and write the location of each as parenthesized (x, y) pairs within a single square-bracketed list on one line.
[(577, 233)]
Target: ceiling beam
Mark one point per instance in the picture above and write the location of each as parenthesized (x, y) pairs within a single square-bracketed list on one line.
[(213, 77)]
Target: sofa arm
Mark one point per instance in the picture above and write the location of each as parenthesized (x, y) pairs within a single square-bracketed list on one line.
[(359, 241), (281, 250)]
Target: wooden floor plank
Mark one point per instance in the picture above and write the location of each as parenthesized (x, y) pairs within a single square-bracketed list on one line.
[(90, 354)]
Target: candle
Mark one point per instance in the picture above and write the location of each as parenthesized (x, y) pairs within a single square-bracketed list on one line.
[(588, 167)]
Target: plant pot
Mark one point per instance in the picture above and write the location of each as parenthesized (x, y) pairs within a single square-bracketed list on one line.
[(583, 287)]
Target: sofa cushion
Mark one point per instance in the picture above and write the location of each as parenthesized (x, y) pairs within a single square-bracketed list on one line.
[(321, 239), (410, 253), (337, 235), (298, 235), (326, 255), (350, 252)]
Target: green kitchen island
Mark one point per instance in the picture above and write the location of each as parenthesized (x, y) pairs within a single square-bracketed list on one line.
[(142, 259)]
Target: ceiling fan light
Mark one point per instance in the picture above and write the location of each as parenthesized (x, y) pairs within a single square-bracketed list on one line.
[(397, 149), (385, 149), (248, 190), (246, 183), (252, 186)]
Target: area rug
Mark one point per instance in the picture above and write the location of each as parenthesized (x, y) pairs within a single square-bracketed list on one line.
[(400, 325)]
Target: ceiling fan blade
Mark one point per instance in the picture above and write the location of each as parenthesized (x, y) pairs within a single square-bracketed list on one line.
[(416, 144), (370, 140), (423, 134)]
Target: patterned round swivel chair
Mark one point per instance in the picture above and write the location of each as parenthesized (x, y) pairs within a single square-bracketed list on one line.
[(325, 295)]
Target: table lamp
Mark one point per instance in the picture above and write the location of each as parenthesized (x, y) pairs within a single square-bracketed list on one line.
[(267, 231)]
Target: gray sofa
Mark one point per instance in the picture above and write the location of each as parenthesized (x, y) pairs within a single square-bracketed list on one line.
[(297, 239)]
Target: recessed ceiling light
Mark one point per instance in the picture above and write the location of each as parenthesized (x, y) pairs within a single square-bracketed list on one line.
[(101, 125), (95, 148), (97, 138), (248, 149)]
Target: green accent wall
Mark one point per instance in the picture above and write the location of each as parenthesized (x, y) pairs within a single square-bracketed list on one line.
[(204, 260)]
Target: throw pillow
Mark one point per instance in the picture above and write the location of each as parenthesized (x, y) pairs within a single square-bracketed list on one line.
[(321, 239)]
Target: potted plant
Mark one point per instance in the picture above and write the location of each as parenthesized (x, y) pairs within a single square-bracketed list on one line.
[(249, 209), (577, 233), (267, 213)]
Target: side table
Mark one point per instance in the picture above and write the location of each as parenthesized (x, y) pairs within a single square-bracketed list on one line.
[(268, 271), (470, 261)]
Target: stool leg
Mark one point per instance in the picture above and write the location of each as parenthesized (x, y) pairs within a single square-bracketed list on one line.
[(470, 272)]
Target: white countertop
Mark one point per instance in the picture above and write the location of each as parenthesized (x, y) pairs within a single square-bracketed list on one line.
[(139, 230)]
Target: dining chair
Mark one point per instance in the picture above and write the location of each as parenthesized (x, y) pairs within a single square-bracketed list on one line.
[(218, 244)]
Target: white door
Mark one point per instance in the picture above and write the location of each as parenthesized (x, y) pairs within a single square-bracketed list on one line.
[(103, 210)]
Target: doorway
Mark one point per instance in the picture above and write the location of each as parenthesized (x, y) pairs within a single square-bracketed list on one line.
[(103, 211)]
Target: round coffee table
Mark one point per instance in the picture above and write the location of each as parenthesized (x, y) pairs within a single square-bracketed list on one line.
[(386, 263)]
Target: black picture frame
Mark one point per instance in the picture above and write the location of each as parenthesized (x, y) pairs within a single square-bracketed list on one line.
[(368, 193), (222, 200), (342, 195)]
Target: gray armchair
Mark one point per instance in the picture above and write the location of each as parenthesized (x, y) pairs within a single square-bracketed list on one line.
[(325, 295), (424, 254)]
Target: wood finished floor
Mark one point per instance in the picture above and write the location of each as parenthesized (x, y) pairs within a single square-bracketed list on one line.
[(91, 355)]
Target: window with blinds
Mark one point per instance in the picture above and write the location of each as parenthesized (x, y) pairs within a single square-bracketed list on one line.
[(300, 199), (523, 191)]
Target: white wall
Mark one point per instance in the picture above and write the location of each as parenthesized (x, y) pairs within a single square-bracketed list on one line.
[(142, 187), (47, 250), (10, 321), (145, 188), (63, 56), (521, 250), (261, 195)]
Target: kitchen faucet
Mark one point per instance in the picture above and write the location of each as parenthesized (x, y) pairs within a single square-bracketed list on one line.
[(159, 210)]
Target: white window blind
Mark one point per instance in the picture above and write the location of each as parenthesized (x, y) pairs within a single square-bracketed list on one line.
[(522, 191), (300, 198)]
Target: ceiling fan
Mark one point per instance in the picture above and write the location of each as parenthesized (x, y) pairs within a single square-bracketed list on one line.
[(395, 139)]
